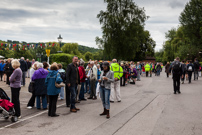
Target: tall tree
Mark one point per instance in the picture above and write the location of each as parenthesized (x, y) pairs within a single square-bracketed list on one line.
[(191, 20), (123, 29)]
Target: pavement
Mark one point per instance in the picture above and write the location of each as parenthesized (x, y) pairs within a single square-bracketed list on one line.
[(147, 108)]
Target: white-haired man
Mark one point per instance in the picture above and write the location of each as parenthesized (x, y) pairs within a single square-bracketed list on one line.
[(115, 86), (23, 66)]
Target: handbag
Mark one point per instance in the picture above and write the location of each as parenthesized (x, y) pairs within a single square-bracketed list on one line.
[(57, 85), (31, 87)]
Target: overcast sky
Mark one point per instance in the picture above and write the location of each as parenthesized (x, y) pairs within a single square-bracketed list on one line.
[(75, 20)]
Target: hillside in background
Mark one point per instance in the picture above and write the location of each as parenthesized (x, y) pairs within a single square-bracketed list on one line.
[(84, 49)]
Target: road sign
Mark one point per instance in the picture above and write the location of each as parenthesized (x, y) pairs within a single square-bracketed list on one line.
[(48, 52)]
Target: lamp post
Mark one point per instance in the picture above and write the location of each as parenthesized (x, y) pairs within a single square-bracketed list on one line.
[(60, 40)]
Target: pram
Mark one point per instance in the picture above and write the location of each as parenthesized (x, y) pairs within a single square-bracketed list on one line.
[(6, 113)]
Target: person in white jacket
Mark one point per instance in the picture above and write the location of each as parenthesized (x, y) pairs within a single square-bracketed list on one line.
[(93, 79)]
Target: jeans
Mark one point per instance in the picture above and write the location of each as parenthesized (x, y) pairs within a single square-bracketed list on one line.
[(15, 94), (23, 78), (38, 102), (28, 73), (62, 93), (52, 105), (67, 92), (73, 96), (158, 72), (81, 95), (105, 96), (138, 74)]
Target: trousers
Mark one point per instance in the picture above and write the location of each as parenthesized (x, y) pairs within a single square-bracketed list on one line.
[(115, 91)]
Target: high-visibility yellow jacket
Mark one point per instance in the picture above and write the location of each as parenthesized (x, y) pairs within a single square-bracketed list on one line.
[(147, 67), (117, 69)]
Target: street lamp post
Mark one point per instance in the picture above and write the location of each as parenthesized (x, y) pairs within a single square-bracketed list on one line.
[(60, 40)]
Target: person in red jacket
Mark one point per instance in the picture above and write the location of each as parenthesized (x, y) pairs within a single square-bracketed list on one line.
[(82, 75)]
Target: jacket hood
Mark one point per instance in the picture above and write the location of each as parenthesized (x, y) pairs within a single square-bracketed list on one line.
[(115, 65), (42, 71), (53, 72)]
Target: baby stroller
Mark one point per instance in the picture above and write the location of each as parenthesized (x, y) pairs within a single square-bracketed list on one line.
[(6, 107)]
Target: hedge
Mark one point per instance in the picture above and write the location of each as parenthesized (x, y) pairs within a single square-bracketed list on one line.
[(62, 58)]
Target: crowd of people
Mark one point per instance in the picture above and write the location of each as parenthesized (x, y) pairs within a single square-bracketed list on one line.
[(77, 81), (182, 71)]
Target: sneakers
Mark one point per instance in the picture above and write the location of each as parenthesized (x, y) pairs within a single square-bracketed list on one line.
[(19, 117), (29, 107)]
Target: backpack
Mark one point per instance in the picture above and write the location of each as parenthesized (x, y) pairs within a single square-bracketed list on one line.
[(176, 67), (190, 68), (63, 76)]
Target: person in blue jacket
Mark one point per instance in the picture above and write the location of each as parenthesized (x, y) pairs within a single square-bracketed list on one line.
[(52, 91), (2, 64)]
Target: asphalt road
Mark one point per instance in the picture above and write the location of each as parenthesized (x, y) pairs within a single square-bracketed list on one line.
[(147, 108)]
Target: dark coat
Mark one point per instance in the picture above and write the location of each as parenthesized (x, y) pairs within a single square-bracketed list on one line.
[(39, 77), (23, 65), (190, 64), (167, 68), (29, 64), (71, 75)]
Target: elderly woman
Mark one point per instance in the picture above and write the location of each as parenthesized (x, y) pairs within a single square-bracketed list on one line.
[(40, 90), (107, 77), (15, 84), (32, 99), (52, 91), (82, 75)]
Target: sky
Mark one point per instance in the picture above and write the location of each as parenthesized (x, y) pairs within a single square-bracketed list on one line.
[(75, 20)]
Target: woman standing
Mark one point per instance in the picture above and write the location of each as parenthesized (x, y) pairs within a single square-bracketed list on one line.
[(32, 99), (82, 75), (107, 77), (15, 84), (40, 90), (52, 91)]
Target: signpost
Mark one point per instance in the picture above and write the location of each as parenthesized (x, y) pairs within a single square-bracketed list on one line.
[(48, 54)]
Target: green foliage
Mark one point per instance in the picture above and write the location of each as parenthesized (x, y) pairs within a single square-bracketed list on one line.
[(70, 48), (88, 56), (83, 49), (62, 58), (123, 30)]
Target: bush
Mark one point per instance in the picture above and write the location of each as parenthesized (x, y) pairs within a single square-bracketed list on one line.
[(62, 58)]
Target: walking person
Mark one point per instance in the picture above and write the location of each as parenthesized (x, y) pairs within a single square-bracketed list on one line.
[(196, 69), (138, 68), (40, 90), (29, 64), (52, 91), (167, 68), (107, 78), (93, 79), (177, 73), (23, 67), (184, 70), (72, 80), (115, 86), (31, 102), (190, 70), (15, 81)]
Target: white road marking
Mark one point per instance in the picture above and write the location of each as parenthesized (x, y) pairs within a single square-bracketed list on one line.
[(28, 118)]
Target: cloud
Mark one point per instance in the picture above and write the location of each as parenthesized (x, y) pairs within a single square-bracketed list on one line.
[(75, 20)]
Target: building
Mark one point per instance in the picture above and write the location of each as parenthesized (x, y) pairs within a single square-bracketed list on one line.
[(149, 59)]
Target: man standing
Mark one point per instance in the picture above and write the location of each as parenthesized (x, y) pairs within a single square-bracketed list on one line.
[(28, 68), (23, 66), (115, 86), (93, 79), (196, 68), (72, 80), (147, 69), (177, 73), (190, 69)]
